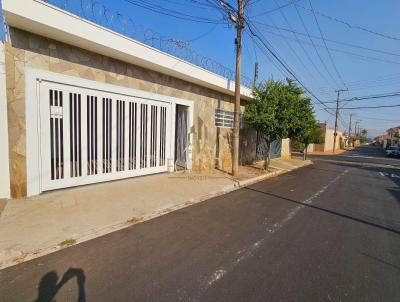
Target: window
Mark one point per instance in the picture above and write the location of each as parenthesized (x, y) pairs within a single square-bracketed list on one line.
[(224, 118)]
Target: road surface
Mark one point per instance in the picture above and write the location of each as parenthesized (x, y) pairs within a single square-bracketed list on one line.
[(326, 232)]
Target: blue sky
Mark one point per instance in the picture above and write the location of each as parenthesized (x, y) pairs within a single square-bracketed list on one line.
[(364, 72)]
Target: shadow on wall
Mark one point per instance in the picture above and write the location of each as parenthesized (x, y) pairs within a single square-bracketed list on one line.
[(49, 285), (248, 146)]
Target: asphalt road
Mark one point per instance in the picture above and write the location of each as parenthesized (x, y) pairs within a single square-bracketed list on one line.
[(326, 232)]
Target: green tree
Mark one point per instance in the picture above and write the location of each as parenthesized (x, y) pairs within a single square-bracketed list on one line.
[(312, 135), (279, 110)]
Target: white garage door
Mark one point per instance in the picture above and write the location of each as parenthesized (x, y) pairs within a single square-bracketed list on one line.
[(88, 136)]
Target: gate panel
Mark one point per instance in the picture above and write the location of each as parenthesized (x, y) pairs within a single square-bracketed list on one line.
[(275, 148), (89, 136)]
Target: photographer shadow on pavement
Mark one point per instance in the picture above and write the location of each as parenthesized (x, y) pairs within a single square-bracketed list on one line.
[(49, 285)]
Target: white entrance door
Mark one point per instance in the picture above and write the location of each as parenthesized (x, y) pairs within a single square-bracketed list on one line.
[(89, 136)]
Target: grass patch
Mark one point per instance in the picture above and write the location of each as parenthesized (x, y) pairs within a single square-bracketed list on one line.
[(68, 242)]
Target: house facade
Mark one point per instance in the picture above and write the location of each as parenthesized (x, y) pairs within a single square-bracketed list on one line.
[(82, 104), (393, 136), (329, 135)]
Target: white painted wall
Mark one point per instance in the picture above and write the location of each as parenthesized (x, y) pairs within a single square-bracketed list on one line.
[(4, 156)]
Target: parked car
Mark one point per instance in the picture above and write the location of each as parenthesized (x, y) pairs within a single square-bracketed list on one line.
[(393, 151)]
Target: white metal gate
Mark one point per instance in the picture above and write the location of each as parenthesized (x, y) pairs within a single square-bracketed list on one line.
[(89, 136)]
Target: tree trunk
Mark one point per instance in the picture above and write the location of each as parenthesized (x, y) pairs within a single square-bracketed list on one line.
[(267, 158), (305, 152)]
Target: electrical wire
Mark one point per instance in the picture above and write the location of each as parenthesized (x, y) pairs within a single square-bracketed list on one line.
[(351, 25), (331, 40), (283, 64), (368, 97), (363, 57), (315, 48), (173, 13), (279, 7), (302, 47), (326, 47), (369, 107)]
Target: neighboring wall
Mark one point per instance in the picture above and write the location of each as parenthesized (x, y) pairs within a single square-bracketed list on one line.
[(328, 140), (26, 49), (285, 151)]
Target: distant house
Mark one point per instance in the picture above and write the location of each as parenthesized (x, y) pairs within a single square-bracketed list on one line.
[(382, 140), (82, 104), (393, 136), (328, 135)]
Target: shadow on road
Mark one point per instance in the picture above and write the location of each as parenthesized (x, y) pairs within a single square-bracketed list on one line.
[(373, 224), (49, 285)]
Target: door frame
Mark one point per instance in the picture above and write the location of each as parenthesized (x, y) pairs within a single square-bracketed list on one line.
[(33, 77), (189, 154), (183, 109)]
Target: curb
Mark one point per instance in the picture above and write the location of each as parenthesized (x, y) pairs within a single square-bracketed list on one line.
[(26, 256)]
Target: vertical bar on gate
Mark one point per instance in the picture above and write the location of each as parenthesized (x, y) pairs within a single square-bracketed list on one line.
[(61, 138), (126, 135), (99, 136), (66, 136), (89, 135), (135, 116), (71, 133), (51, 104), (84, 133), (113, 134), (138, 132), (158, 136), (168, 129), (148, 144)]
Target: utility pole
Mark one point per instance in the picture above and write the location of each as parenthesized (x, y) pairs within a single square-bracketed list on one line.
[(255, 74), (336, 117), (349, 141), (351, 114), (357, 127), (236, 121)]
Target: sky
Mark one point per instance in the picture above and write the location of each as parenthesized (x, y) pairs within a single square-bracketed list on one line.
[(362, 38)]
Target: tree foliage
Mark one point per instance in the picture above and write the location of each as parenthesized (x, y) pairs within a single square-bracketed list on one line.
[(280, 110)]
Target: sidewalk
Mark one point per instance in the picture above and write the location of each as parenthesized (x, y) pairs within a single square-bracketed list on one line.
[(33, 227)]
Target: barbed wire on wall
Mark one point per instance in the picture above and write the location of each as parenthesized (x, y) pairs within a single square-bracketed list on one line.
[(98, 13)]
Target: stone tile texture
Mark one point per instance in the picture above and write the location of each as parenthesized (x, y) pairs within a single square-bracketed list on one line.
[(212, 146)]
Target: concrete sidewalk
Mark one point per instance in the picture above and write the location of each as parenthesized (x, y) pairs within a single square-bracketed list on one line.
[(33, 227)]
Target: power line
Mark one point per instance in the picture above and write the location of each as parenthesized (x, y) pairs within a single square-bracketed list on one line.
[(368, 97), (210, 30), (350, 25), (378, 119), (369, 107), (315, 48), (302, 47), (275, 9), (326, 47), (282, 63), (383, 81), (173, 13), (366, 58), (331, 40), (296, 55)]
